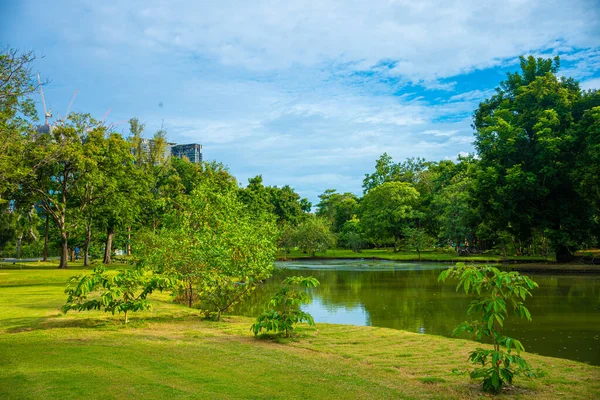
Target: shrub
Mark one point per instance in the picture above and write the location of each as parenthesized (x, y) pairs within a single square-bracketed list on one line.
[(126, 291), (495, 291), (285, 305)]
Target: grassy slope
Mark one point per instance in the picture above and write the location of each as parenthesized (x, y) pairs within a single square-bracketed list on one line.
[(170, 352)]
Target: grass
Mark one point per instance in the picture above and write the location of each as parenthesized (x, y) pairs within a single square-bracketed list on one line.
[(172, 353)]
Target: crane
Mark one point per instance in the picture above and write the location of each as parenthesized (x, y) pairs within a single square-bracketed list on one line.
[(47, 113), (71, 103), (106, 115)]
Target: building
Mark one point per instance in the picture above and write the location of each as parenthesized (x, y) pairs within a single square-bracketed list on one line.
[(192, 152)]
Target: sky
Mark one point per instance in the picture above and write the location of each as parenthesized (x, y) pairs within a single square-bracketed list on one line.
[(304, 93)]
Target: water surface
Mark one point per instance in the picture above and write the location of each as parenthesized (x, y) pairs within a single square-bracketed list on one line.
[(407, 296)]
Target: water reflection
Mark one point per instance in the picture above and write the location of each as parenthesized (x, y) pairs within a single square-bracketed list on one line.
[(565, 308)]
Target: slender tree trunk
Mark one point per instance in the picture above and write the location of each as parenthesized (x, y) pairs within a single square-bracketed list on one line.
[(64, 251), (86, 250), (126, 317), (107, 251), (129, 240), (71, 255), (190, 295), (19, 240), (45, 258)]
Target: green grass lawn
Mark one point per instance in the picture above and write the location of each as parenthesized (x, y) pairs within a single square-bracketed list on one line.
[(172, 353), (388, 254)]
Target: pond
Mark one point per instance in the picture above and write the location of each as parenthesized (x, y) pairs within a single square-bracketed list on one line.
[(565, 308)]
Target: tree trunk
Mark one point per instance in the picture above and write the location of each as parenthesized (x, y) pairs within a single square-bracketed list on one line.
[(86, 249), (107, 251), (71, 255), (563, 254), (64, 251), (19, 240), (395, 243), (190, 296), (129, 240), (45, 258)]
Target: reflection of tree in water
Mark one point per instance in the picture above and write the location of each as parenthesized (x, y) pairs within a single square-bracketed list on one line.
[(565, 309)]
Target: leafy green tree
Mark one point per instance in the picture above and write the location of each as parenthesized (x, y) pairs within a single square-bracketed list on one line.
[(285, 305), (351, 235), (17, 111), (286, 239), (387, 209), (337, 208), (455, 211), (527, 139), (126, 291), (418, 239), (495, 292), (314, 235), (58, 168), (216, 248)]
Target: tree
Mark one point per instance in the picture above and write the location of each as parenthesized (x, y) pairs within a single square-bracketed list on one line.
[(126, 291), (495, 291), (337, 208), (455, 211), (387, 209), (418, 239), (285, 305), (527, 139), (17, 111), (57, 168), (216, 248), (314, 235), (351, 235)]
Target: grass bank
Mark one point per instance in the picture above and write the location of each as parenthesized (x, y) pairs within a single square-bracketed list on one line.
[(172, 353)]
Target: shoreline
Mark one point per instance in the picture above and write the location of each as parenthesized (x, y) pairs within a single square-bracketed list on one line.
[(514, 265)]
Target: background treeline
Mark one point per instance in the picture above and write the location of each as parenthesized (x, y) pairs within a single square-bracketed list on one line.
[(533, 187)]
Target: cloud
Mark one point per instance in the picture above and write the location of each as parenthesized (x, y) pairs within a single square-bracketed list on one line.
[(591, 84), (306, 94)]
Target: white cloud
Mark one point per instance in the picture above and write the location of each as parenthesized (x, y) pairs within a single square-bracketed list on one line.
[(591, 84), (305, 93)]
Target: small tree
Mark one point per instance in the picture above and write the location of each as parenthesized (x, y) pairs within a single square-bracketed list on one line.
[(124, 292), (314, 235), (495, 291), (285, 305), (418, 239)]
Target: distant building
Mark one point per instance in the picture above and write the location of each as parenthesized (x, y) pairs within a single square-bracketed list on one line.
[(192, 152)]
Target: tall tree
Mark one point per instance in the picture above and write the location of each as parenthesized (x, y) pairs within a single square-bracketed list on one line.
[(58, 167), (526, 138), (337, 208), (387, 209), (17, 111)]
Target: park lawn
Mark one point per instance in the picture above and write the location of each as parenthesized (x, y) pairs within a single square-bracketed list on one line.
[(172, 353), (388, 254)]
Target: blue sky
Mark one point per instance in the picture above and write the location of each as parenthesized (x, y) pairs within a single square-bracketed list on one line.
[(308, 94)]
